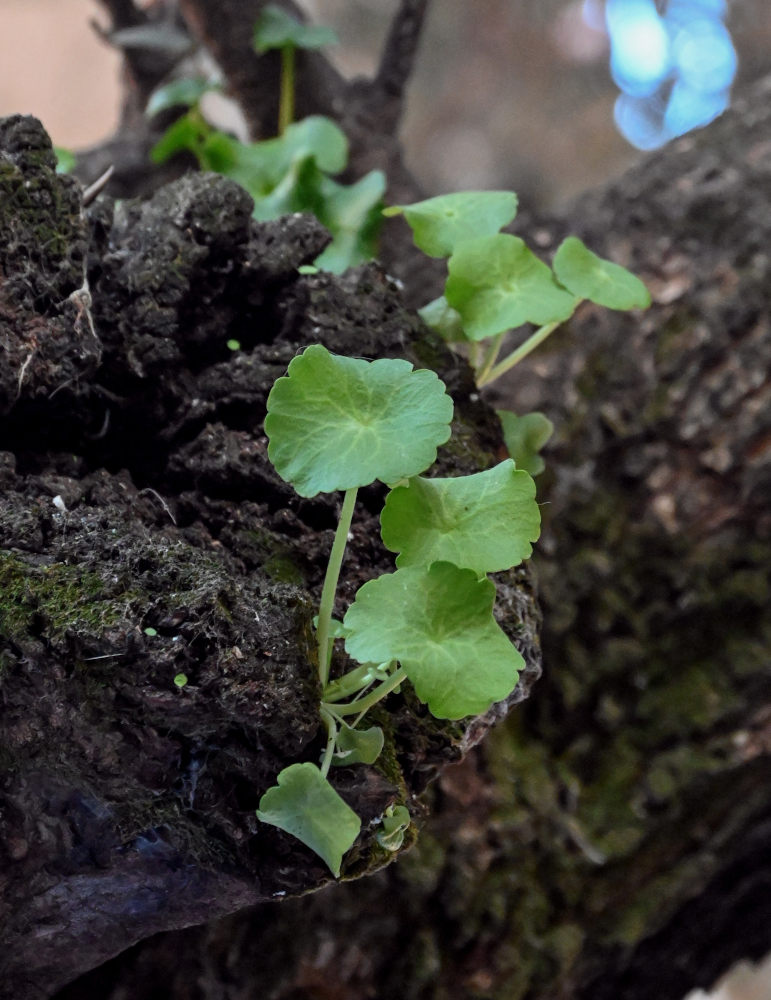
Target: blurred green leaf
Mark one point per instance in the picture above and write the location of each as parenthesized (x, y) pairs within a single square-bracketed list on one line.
[(443, 319), (65, 160), (277, 29), (352, 215), (524, 437), (185, 92), (591, 277)]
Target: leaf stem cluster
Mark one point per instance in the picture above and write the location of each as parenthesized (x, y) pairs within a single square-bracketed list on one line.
[(336, 424)]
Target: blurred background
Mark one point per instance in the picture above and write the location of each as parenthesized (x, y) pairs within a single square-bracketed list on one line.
[(546, 97)]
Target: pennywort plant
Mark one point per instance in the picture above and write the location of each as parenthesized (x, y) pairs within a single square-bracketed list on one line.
[(496, 284), (338, 424)]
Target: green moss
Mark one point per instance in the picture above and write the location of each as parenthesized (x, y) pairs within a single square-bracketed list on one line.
[(282, 569), (53, 600), (277, 561)]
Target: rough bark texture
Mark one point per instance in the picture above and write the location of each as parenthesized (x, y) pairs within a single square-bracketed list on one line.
[(137, 496), (612, 839)]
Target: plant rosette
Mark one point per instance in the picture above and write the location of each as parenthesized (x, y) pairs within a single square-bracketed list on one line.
[(338, 424)]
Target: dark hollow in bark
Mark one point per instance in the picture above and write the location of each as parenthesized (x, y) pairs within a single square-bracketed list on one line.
[(143, 533)]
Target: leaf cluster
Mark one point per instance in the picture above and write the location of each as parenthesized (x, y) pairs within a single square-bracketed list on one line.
[(495, 284), (294, 172), (338, 423)]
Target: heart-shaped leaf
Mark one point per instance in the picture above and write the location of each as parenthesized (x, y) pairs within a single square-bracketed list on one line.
[(483, 522), (277, 29), (438, 623), (524, 437), (358, 746), (335, 423), (591, 277), (440, 224), (496, 284), (304, 804)]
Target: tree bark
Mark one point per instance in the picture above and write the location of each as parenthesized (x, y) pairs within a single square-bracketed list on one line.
[(611, 839), (145, 534)]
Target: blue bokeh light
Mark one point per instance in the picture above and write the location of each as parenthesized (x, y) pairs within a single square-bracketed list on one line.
[(674, 68)]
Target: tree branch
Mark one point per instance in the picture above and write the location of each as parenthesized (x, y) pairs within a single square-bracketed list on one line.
[(151, 42), (398, 59), (226, 28)]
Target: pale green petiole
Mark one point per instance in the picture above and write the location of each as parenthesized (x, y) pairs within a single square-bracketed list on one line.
[(487, 363), (286, 101), (363, 704), (516, 356), (331, 723), (352, 682), (330, 582)]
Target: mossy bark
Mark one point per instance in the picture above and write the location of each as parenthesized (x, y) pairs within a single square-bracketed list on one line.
[(144, 534), (611, 840)]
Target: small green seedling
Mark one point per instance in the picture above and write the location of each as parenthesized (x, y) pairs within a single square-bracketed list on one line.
[(395, 823), (291, 173), (337, 424), (276, 29), (65, 160), (495, 284), (524, 437), (180, 680)]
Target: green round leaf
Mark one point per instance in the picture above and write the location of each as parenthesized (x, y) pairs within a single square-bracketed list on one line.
[(277, 29), (483, 522), (180, 680), (438, 623), (524, 437), (358, 746), (591, 277), (440, 224), (496, 283), (304, 804), (335, 423)]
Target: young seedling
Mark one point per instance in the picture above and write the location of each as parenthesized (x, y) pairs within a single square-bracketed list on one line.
[(337, 424), (291, 173), (495, 283), (277, 29)]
